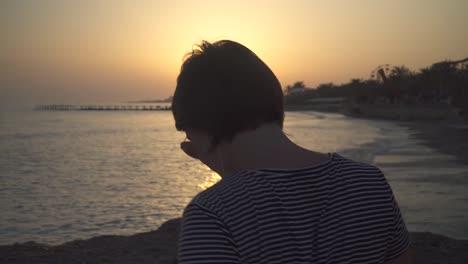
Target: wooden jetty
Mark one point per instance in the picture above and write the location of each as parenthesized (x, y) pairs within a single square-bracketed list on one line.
[(68, 107)]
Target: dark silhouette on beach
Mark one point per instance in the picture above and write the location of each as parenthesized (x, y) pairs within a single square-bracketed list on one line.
[(277, 202)]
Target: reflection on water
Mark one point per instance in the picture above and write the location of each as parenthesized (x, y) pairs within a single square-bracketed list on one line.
[(210, 179), (69, 175)]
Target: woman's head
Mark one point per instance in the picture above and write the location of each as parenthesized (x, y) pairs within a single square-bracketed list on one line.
[(223, 89)]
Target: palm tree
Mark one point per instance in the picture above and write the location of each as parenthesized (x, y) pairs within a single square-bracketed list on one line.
[(398, 82), (400, 72), (299, 84)]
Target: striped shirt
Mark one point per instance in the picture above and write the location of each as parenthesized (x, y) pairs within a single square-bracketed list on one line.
[(339, 211)]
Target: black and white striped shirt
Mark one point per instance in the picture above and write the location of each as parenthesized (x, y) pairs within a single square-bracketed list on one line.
[(339, 211)]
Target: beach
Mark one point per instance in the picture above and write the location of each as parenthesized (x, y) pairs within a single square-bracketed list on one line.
[(160, 246), (447, 137), (102, 102)]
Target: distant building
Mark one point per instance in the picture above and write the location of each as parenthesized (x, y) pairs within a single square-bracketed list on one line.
[(294, 90), (298, 87)]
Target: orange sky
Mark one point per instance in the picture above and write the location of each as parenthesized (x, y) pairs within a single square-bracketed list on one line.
[(95, 50)]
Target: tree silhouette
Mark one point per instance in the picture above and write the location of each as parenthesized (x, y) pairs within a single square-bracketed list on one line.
[(299, 84)]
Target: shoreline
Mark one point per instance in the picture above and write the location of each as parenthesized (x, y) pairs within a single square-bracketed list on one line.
[(448, 136), (160, 246)]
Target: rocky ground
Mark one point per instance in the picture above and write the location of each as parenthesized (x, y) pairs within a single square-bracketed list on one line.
[(160, 246)]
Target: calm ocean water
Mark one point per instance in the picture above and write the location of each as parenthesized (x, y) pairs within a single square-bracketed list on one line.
[(70, 175)]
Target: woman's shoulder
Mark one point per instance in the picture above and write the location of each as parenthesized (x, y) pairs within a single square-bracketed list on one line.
[(211, 195), (350, 165)]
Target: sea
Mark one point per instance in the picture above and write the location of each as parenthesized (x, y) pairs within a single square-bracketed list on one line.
[(67, 175)]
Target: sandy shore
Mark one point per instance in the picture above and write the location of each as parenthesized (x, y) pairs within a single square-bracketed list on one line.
[(160, 246), (447, 137)]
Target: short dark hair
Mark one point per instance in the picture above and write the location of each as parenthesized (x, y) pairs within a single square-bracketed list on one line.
[(223, 88)]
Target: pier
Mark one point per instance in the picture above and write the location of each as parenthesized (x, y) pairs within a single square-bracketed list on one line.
[(68, 107)]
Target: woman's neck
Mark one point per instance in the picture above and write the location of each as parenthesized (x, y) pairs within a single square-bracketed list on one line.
[(266, 147)]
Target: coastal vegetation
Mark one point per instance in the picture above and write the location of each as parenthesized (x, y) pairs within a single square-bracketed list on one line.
[(443, 84)]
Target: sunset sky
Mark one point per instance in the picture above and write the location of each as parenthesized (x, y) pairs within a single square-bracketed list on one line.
[(110, 51)]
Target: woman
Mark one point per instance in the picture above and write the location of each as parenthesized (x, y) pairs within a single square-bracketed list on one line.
[(276, 202)]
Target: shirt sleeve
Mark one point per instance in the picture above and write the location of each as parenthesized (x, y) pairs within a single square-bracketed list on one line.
[(203, 238), (399, 240)]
